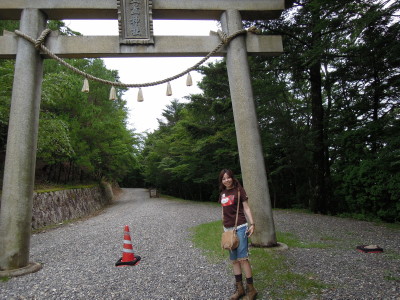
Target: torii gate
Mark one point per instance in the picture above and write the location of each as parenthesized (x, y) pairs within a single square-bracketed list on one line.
[(18, 183)]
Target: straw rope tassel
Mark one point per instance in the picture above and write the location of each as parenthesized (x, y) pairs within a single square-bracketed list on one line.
[(113, 93), (189, 81), (140, 95), (169, 90), (85, 87), (225, 40)]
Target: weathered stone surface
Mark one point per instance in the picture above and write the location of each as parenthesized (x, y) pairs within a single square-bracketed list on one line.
[(18, 181), (162, 9), (19, 167), (56, 207), (248, 133), (165, 46)]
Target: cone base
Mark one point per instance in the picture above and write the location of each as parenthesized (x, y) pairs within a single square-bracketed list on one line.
[(132, 263)]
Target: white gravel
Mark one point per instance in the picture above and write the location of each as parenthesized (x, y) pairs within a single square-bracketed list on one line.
[(349, 273), (79, 259)]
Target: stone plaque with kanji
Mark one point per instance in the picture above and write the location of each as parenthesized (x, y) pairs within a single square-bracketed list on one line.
[(135, 21)]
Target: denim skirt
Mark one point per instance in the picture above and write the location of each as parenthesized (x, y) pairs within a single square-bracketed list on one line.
[(241, 252)]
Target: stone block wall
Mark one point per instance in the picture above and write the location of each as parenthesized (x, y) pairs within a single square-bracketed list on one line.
[(56, 207)]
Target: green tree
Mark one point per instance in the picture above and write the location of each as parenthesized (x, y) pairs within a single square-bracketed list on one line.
[(196, 140), (365, 152), (81, 136), (97, 126), (327, 113), (6, 82)]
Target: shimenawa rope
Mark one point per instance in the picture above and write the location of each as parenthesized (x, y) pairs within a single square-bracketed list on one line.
[(39, 44)]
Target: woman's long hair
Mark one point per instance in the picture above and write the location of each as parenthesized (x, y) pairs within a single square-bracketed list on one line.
[(229, 172)]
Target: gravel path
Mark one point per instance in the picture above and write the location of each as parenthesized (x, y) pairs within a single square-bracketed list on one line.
[(78, 259), (351, 274)]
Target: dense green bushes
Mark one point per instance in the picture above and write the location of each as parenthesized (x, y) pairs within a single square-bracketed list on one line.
[(327, 109), (82, 136)]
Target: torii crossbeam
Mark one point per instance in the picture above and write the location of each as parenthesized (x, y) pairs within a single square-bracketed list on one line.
[(16, 203)]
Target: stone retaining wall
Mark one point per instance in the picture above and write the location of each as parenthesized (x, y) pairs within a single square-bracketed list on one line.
[(56, 207)]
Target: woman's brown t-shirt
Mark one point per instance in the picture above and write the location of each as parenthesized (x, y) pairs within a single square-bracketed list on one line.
[(228, 200)]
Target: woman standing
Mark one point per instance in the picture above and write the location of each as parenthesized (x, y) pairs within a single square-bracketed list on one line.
[(230, 189)]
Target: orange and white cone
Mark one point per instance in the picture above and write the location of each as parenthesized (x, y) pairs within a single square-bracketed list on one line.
[(128, 257)]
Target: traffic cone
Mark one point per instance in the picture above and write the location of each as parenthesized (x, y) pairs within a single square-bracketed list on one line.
[(128, 257)]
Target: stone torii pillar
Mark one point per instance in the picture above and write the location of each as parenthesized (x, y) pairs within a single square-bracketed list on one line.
[(16, 204), (247, 133)]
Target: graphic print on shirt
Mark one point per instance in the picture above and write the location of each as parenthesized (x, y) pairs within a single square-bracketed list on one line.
[(227, 200)]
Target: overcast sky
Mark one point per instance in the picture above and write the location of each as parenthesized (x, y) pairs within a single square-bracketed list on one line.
[(143, 115)]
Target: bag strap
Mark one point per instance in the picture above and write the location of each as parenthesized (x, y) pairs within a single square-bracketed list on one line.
[(237, 210)]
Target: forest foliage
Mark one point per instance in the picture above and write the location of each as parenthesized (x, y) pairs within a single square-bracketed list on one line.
[(328, 112), (83, 137)]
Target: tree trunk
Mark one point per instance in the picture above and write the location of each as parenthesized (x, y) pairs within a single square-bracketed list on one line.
[(318, 198)]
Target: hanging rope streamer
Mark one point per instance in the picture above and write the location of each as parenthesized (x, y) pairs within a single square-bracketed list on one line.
[(39, 44)]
